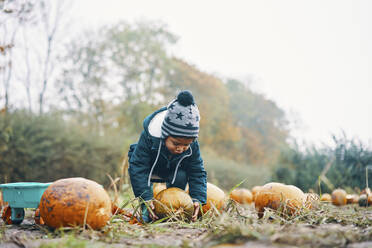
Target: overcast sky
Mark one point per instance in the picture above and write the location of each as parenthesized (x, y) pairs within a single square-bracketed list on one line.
[(313, 58)]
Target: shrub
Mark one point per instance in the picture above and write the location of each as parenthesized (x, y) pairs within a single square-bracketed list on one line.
[(348, 158), (46, 148)]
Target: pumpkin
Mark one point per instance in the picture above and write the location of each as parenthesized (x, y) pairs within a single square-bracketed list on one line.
[(254, 191), (287, 198), (6, 215), (75, 202), (355, 199), (326, 197), (363, 200), (115, 210), (215, 198), (242, 196), (366, 191), (173, 201), (37, 218), (339, 197), (1, 199), (128, 216), (312, 200), (369, 199), (352, 198), (157, 187)]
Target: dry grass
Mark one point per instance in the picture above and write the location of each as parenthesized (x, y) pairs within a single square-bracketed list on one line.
[(327, 226)]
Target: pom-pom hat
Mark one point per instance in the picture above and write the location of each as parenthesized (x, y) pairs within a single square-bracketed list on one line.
[(182, 117)]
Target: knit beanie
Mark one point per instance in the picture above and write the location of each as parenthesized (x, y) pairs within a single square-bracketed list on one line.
[(182, 117)]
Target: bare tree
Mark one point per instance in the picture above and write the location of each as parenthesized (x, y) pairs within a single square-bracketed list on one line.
[(51, 21), (27, 79), (9, 28), (13, 16)]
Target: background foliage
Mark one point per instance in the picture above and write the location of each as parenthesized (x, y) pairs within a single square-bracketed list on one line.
[(45, 148), (346, 161), (78, 106)]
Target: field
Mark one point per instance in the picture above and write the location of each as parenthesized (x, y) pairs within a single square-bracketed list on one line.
[(237, 226)]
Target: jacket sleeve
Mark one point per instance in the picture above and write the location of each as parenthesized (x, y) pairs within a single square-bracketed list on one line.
[(197, 176), (139, 168)]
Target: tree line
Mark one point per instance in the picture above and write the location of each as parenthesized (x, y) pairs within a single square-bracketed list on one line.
[(72, 104), (102, 84)]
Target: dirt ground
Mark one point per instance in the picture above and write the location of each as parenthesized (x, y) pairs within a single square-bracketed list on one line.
[(29, 235)]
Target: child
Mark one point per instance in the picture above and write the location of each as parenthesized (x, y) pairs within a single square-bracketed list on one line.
[(168, 151)]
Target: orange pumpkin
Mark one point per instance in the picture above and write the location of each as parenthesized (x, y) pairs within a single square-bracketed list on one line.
[(157, 187), (355, 199), (173, 201), (278, 196), (366, 191), (75, 202), (363, 200), (369, 199), (339, 197), (215, 198), (115, 210), (37, 217), (312, 200), (254, 191), (128, 216), (326, 197), (352, 198), (242, 196), (6, 215)]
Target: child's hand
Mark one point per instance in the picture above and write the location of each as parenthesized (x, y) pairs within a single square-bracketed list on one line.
[(196, 211), (152, 212)]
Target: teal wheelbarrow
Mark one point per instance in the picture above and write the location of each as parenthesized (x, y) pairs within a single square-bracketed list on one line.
[(20, 196)]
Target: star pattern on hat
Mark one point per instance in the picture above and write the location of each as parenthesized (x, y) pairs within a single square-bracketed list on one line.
[(189, 124), (179, 115), (181, 120)]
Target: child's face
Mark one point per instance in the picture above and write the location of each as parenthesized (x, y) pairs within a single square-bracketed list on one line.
[(178, 145)]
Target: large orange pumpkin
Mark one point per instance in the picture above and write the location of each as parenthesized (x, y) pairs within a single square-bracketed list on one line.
[(339, 197), (157, 187), (254, 191), (75, 202), (278, 196), (215, 198), (242, 196), (173, 201), (326, 197)]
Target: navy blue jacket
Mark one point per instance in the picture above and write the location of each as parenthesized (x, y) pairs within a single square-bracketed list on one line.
[(142, 164)]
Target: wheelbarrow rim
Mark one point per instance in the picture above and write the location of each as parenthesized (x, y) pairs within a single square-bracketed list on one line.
[(22, 185)]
